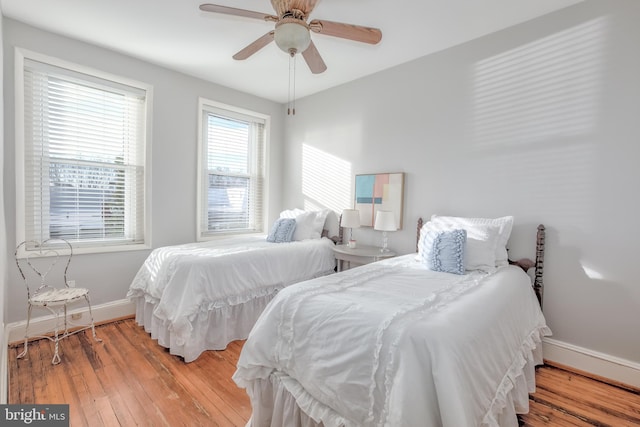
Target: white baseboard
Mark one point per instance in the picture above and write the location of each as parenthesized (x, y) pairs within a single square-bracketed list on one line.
[(600, 364), (40, 325)]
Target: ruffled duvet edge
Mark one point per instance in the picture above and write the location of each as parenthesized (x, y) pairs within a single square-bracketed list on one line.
[(515, 373)]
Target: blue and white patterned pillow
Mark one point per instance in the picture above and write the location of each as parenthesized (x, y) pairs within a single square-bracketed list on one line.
[(282, 230), (444, 250)]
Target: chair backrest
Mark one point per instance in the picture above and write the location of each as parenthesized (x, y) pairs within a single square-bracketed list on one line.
[(46, 264)]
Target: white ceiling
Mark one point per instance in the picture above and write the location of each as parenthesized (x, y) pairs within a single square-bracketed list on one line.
[(177, 35)]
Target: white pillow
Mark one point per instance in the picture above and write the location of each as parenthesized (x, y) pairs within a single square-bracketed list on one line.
[(305, 226), (321, 217), (332, 224), (480, 246), (291, 213), (309, 224), (480, 249), (504, 223)]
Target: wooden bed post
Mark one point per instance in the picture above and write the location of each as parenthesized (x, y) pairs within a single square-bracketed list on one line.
[(538, 285)]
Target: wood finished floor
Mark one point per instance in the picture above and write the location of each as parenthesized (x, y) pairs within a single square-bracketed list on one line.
[(129, 380)]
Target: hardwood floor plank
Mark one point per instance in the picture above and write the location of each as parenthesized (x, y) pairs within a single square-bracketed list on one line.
[(168, 369), (85, 401), (603, 405), (608, 400), (128, 402), (106, 413), (13, 393), (79, 414), (89, 347), (53, 388), (125, 380), (583, 400), (130, 380), (39, 367), (542, 415), (204, 394), (216, 369), (121, 410), (24, 371)]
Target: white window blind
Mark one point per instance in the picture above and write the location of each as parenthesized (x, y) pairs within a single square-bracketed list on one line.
[(84, 145), (232, 157)]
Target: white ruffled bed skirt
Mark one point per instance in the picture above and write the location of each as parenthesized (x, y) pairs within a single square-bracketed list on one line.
[(210, 330), (274, 402)]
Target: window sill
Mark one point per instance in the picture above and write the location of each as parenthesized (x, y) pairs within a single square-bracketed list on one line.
[(87, 250)]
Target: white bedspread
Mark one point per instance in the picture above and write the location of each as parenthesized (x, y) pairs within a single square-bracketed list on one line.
[(392, 343), (183, 285)]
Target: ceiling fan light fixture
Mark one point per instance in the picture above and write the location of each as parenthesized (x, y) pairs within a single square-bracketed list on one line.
[(292, 36)]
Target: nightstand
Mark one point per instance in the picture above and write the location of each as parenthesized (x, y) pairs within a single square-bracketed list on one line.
[(360, 255)]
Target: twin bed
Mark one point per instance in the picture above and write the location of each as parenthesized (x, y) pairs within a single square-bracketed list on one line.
[(201, 296), (395, 343), (400, 342)]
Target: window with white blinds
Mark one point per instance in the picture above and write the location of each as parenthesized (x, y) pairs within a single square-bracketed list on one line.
[(232, 178), (84, 157)]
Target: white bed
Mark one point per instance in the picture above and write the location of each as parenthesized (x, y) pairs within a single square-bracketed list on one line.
[(395, 344), (201, 296)]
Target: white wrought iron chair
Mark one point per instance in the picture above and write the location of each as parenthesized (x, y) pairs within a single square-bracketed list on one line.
[(41, 265)]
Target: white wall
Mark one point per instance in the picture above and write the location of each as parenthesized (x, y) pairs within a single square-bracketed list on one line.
[(173, 148), (539, 121)]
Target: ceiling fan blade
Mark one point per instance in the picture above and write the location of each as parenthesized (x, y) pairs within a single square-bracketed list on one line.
[(313, 59), (207, 7), (346, 31), (255, 46)]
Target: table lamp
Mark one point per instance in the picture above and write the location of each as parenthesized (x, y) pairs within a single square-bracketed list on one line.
[(350, 219), (385, 221)]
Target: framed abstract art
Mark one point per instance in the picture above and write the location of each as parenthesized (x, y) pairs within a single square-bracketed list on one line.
[(380, 191)]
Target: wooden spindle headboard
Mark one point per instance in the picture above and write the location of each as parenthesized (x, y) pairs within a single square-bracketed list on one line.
[(524, 263), (538, 285)]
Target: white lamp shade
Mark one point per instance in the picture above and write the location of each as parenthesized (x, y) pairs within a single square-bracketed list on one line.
[(292, 36), (385, 221), (350, 218)]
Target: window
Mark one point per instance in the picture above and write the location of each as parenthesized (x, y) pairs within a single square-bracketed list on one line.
[(231, 170), (81, 155)]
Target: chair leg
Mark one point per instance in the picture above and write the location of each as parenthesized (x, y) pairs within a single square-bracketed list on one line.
[(93, 328), (26, 334), (56, 353), (66, 326)]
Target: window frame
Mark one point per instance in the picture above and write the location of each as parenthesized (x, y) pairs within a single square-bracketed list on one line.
[(97, 246), (232, 112)]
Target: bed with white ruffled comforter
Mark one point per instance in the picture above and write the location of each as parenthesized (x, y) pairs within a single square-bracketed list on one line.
[(395, 344), (201, 296)]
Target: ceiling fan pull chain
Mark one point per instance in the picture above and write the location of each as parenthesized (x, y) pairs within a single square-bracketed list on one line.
[(294, 85), (291, 103), (289, 91)]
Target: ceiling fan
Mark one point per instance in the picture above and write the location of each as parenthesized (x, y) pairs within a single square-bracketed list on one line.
[(292, 31)]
